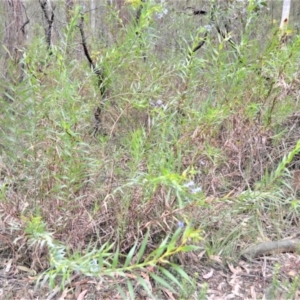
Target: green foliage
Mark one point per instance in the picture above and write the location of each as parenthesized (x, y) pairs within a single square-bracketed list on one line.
[(270, 179), (185, 142), (104, 263)]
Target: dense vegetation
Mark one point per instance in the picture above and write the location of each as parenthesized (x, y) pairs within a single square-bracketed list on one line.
[(175, 145)]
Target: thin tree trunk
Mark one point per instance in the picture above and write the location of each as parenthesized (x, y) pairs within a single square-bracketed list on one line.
[(285, 17), (93, 15), (14, 38), (48, 11), (285, 14)]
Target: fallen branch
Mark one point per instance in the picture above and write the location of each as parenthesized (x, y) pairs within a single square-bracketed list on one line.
[(267, 248)]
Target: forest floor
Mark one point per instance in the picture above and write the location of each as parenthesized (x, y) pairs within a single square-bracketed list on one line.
[(263, 278), (270, 275)]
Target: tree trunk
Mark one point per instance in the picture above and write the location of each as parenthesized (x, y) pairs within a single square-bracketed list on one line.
[(285, 14), (14, 38), (285, 17), (93, 15)]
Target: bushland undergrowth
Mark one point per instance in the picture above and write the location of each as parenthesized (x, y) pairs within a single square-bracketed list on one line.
[(191, 151)]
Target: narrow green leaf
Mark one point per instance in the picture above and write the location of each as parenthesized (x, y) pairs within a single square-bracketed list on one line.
[(143, 247), (144, 284), (170, 276), (161, 281), (100, 262), (113, 274), (181, 272), (107, 264), (130, 289), (157, 252), (174, 239), (130, 255), (176, 235), (115, 259), (106, 247), (121, 292), (188, 248), (178, 196), (45, 279)]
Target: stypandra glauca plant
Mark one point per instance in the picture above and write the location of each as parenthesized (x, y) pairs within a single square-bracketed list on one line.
[(286, 160), (126, 271)]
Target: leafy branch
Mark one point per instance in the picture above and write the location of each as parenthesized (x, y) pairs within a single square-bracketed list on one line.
[(105, 263)]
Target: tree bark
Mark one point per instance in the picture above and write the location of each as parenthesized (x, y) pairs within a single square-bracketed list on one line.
[(14, 38), (286, 7), (48, 11), (285, 16), (93, 15)]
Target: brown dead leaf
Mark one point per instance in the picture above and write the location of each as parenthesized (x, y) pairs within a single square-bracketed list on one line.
[(292, 273), (25, 269), (170, 294), (151, 269), (77, 291), (32, 278), (146, 277), (63, 295), (253, 293), (216, 258), (201, 254), (8, 265), (81, 295), (132, 276), (221, 286), (234, 271), (209, 274), (230, 296), (99, 285), (236, 290), (245, 267)]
